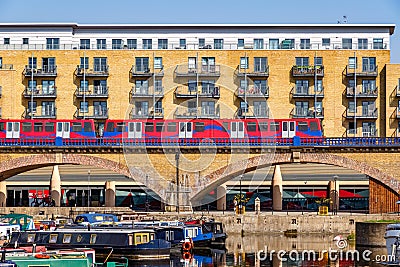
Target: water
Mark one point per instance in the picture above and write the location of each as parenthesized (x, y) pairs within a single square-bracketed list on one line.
[(249, 251)]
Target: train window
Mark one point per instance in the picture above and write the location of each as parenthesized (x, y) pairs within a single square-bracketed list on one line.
[(274, 126), (225, 126), (120, 126), (87, 127), (110, 127), (159, 126), (199, 127), (38, 127), (172, 127), (263, 126), (27, 127), (302, 126), (149, 127), (251, 126), (1, 126), (131, 127), (314, 126), (76, 127), (49, 127)]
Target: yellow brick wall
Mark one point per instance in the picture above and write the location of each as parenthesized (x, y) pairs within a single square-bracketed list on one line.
[(280, 81), (392, 77)]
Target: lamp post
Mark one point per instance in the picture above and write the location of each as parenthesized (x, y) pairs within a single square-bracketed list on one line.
[(147, 203), (88, 194), (177, 180), (240, 196), (335, 193)]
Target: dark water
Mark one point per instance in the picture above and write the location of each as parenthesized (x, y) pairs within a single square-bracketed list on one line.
[(286, 251)]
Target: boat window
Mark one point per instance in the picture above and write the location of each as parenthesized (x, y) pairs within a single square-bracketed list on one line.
[(130, 240), (76, 127), (274, 126), (67, 238), (151, 237), (302, 126), (79, 238), (31, 238), (314, 126), (120, 126), (53, 238), (199, 127), (87, 127), (49, 127), (149, 127), (27, 127), (145, 239), (93, 238), (38, 127), (110, 127), (138, 239), (263, 126), (251, 126), (172, 127)]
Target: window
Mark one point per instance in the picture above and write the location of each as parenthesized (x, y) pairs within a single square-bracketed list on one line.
[(287, 44), (258, 43), (363, 43), (31, 238), (260, 86), (352, 107), (301, 109), (149, 127), (87, 127), (202, 42), (251, 126), (305, 44), (49, 64), (162, 43), (182, 43), (244, 62), (318, 61), (347, 43), (142, 64), (84, 44), (119, 128), (158, 88), (38, 127), (192, 85), (53, 238), (32, 107), (218, 43), (147, 44), (159, 127), (52, 43), (260, 64), (352, 128), (263, 126), (207, 87), (84, 107), (208, 108), (274, 126), (158, 63), (302, 126), (244, 107), (192, 66), (93, 238), (84, 86), (32, 85), (101, 44), (116, 44), (100, 108), (273, 43), (240, 43), (302, 61), (352, 62), (378, 43), (368, 64), (100, 64), (48, 108), (25, 41), (368, 108), (84, 63), (368, 87), (132, 43), (314, 126), (171, 127), (301, 87), (49, 127), (142, 108), (6, 41), (368, 129), (260, 108), (27, 127), (199, 127), (32, 62), (326, 42)]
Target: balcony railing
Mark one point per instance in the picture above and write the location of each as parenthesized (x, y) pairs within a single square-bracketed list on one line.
[(364, 71), (306, 91), (93, 112), (201, 91), (308, 71), (253, 91), (364, 113), (192, 71), (40, 92), (96, 71), (253, 112), (362, 91), (40, 112), (200, 112), (147, 91), (136, 113), (92, 91), (299, 112), (45, 71), (397, 90), (364, 132), (258, 71), (145, 71), (6, 67)]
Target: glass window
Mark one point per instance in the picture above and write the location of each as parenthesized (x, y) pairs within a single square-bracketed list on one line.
[(263, 126), (287, 44), (260, 64), (162, 43), (93, 238), (318, 61), (110, 127), (142, 64), (100, 64), (274, 126), (37, 127), (120, 127), (116, 44), (84, 107), (199, 127), (171, 127), (6, 41), (352, 107), (87, 127), (49, 127), (27, 127), (149, 127), (244, 62), (101, 44), (147, 44), (85, 44), (25, 41), (244, 106), (305, 44), (132, 43), (352, 62), (378, 43), (326, 42), (32, 62), (158, 63), (52, 43), (347, 43), (76, 127), (251, 126), (218, 43), (302, 61), (159, 127), (240, 43), (182, 43), (258, 44), (273, 43), (314, 126), (302, 126), (31, 238), (202, 42), (362, 43), (53, 238)]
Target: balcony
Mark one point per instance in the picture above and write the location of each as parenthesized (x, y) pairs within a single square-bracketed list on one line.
[(362, 113), (259, 71), (203, 91), (397, 90), (6, 66), (146, 91), (365, 132), (40, 112), (252, 112), (92, 92), (40, 92), (97, 71), (200, 112), (308, 71), (364, 71), (145, 71), (362, 91), (99, 113), (306, 92), (192, 71), (45, 71), (307, 113), (253, 91), (146, 114)]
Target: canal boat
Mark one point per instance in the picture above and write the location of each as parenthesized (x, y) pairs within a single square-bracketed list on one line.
[(10, 223), (96, 219), (392, 236), (133, 243)]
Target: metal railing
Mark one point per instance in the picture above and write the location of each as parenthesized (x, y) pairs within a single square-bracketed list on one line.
[(92, 91), (308, 70), (136, 113), (362, 91), (92, 112), (253, 91), (200, 112), (147, 91), (40, 91), (40, 112), (202, 91)]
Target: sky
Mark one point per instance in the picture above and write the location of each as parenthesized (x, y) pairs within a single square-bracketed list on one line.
[(207, 11)]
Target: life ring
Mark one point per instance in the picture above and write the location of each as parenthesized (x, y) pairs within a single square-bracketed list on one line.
[(42, 256), (187, 246), (186, 256)]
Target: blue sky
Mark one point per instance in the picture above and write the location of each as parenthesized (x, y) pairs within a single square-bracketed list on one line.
[(206, 11)]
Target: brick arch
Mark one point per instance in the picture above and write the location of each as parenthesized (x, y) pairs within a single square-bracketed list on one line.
[(235, 169), (15, 166)]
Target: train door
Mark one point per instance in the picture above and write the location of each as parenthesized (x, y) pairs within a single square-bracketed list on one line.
[(134, 130), (185, 129), (237, 129), (12, 130), (63, 129), (288, 129)]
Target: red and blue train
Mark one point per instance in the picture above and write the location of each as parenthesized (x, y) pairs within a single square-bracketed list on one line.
[(162, 129)]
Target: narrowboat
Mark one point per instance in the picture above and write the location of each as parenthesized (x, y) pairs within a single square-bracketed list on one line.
[(217, 229), (132, 243), (96, 219)]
